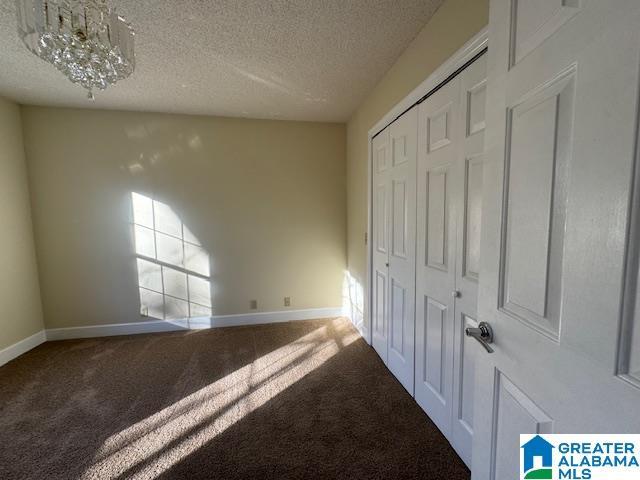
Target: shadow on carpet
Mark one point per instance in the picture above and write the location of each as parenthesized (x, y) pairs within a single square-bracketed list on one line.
[(285, 401)]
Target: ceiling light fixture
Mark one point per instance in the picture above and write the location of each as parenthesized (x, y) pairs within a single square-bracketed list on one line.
[(84, 39)]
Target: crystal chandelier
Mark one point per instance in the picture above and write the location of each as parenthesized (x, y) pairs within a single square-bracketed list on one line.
[(84, 39)]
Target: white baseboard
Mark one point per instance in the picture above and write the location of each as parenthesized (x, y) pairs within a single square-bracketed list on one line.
[(23, 346), (197, 323)]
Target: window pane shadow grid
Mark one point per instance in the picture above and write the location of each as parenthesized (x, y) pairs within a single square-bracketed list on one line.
[(164, 304)]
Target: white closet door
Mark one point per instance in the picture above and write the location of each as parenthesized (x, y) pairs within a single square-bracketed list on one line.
[(438, 134), (468, 206), (402, 259), (561, 142), (380, 246)]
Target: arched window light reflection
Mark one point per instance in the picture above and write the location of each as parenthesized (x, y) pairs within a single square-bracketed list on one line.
[(173, 268)]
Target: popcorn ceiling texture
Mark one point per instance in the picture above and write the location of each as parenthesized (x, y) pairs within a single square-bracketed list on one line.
[(278, 59)]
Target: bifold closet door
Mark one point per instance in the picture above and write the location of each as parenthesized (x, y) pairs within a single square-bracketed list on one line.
[(427, 204), (380, 257), (468, 207), (450, 160), (402, 258), (394, 233), (438, 133)]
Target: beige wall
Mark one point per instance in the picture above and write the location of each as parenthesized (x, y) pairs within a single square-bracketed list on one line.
[(455, 22), (21, 314), (266, 200)]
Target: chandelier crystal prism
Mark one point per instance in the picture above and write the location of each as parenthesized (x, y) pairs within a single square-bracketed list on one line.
[(85, 39)]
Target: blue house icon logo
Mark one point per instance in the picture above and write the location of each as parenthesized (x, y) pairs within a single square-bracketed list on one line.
[(537, 447)]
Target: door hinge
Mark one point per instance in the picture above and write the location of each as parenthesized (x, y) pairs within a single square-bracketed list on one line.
[(366, 237)]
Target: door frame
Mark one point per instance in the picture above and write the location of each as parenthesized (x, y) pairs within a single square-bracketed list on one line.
[(467, 52)]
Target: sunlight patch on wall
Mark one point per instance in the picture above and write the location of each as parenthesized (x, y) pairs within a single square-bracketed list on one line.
[(353, 300), (173, 267)]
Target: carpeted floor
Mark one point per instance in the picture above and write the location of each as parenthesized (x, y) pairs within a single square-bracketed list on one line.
[(292, 400)]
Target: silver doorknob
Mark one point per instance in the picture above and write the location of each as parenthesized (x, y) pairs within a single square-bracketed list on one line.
[(483, 334), (456, 294)]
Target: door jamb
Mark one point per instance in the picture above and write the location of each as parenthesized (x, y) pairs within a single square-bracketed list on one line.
[(468, 51)]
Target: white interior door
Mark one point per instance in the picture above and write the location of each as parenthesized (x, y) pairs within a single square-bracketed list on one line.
[(438, 141), (380, 263), (468, 207), (402, 258), (562, 99)]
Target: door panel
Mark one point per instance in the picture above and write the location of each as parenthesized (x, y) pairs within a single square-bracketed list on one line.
[(629, 361), (434, 340), (437, 238), (476, 100), (562, 96), (439, 127), (401, 152), (398, 314), (403, 137), (472, 217), (539, 130), (399, 218), (515, 413), (466, 376), (380, 305), (438, 147), (534, 22), (380, 207), (468, 205), (381, 230)]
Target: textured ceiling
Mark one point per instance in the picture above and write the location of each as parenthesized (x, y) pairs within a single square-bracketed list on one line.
[(281, 59)]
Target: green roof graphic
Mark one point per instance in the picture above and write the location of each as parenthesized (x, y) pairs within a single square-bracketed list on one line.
[(539, 473)]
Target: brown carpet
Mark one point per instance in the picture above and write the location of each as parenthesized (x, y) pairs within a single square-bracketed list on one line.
[(293, 400)]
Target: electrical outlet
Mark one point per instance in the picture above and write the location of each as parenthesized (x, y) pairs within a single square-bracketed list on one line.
[(253, 304), (287, 301)]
